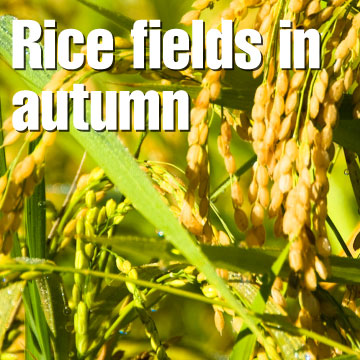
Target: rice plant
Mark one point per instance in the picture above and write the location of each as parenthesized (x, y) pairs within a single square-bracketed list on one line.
[(237, 239)]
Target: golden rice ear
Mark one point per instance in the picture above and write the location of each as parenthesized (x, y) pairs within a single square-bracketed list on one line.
[(201, 4), (348, 79), (11, 138), (3, 183), (188, 18), (219, 321)]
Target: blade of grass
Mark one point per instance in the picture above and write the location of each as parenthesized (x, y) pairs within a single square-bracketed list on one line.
[(57, 313), (44, 295), (34, 341), (35, 219), (338, 236), (118, 19), (2, 149), (36, 244)]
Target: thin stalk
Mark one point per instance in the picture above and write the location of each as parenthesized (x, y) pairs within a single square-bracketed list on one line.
[(67, 199), (38, 335), (273, 40), (139, 145), (35, 220), (48, 269), (338, 236), (2, 150), (302, 96), (225, 184)]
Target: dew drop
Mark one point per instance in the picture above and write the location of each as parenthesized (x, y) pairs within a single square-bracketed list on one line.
[(122, 332), (9, 292), (307, 356), (153, 310), (160, 234), (346, 172), (67, 310), (42, 203)]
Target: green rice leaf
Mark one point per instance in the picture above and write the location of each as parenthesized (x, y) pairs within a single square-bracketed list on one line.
[(119, 19), (9, 302)]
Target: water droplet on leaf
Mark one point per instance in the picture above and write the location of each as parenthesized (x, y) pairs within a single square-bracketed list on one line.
[(160, 234), (67, 310)]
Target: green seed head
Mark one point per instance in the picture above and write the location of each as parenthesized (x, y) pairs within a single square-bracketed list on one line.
[(82, 318), (96, 174), (82, 344), (101, 219), (79, 279), (90, 199), (89, 229), (81, 261), (177, 283), (70, 228), (76, 294), (133, 274), (92, 215), (30, 275), (118, 219), (80, 227), (110, 207), (210, 291), (89, 250), (131, 287), (124, 266), (155, 341)]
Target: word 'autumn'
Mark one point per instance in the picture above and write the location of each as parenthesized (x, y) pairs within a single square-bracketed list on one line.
[(152, 49)]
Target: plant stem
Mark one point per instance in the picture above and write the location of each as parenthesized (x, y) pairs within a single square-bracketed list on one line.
[(67, 200), (338, 236), (49, 268), (35, 224), (2, 149), (225, 184)]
